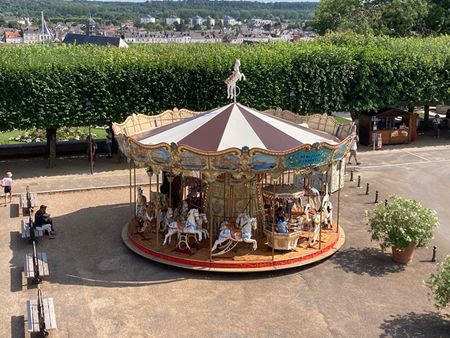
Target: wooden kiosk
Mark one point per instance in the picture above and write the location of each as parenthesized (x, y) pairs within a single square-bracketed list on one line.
[(394, 125)]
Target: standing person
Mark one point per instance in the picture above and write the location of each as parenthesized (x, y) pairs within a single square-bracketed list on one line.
[(109, 139), (353, 149), (436, 125), (7, 185)]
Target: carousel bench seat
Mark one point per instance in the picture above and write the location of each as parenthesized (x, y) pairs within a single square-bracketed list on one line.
[(48, 316), (27, 201), (26, 230), (287, 241), (41, 262)]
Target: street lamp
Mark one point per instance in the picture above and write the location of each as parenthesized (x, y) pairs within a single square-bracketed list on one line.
[(87, 107)]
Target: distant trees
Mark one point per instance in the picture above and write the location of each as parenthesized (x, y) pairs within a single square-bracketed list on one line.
[(108, 12), (384, 17)]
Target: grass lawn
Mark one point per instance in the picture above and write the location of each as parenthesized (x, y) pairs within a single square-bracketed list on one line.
[(342, 120), (100, 133)]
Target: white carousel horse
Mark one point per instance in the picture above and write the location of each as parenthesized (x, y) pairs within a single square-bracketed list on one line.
[(314, 196), (232, 79), (202, 219), (325, 217), (190, 227), (243, 234)]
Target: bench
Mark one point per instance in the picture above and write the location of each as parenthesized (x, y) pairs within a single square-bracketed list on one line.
[(36, 265), (27, 233), (41, 314), (27, 201)]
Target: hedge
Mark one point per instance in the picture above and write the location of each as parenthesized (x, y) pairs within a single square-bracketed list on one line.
[(46, 86)]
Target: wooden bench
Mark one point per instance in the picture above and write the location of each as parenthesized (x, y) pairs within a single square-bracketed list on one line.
[(41, 314), (27, 201), (36, 265), (26, 231)]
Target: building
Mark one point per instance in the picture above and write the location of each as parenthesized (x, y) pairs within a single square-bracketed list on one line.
[(171, 20), (12, 37), (145, 20), (157, 37), (34, 35), (91, 38), (211, 21), (197, 20), (229, 21)]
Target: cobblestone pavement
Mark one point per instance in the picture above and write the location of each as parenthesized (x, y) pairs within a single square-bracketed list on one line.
[(101, 289)]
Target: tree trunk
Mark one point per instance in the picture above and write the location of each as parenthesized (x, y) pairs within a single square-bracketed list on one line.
[(51, 146), (426, 117)]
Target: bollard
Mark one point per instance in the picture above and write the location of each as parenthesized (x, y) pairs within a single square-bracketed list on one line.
[(385, 202), (367, 189), (376, 196), (351, 175), (359, 181), (433, 259)]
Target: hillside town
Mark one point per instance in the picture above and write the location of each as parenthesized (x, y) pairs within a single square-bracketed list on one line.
[(172, 29)]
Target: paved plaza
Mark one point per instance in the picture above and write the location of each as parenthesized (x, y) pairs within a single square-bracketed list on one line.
[(102, 289)]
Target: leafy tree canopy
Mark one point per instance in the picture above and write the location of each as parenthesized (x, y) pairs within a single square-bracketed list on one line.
[(384, 17)]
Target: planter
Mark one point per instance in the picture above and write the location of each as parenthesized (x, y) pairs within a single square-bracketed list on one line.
[(404, 256)]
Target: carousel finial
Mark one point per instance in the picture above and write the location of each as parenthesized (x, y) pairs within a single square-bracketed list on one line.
[(232, 79)]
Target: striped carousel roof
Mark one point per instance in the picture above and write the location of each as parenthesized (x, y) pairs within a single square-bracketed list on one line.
[(235, 126)]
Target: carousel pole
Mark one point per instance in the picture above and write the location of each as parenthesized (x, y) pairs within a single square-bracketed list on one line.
[(131, 192), (150, 187), (134, 185), (170, 179), (210, 228), (157, 211), (339, 196), (273, 224)]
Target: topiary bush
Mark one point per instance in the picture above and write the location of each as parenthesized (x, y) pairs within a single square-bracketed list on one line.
[(439, 284)]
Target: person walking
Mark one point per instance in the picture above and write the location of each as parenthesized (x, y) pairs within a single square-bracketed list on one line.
[(353, 149), (436, 125), (7, 185)]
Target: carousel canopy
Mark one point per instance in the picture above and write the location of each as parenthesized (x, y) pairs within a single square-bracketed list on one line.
[(235, 126)]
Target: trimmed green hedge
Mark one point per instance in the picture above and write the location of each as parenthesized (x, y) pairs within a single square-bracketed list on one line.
[(43, 86)]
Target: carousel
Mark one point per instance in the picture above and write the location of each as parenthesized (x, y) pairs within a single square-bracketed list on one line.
[(235, 189)]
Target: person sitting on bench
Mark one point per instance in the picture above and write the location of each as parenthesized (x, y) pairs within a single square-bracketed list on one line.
[(42, 221)]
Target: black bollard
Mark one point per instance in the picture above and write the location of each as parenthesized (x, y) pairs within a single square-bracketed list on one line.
[(385, 202), (351, 175), (433, 259), (367, 189), (376, 196), (359, 181)]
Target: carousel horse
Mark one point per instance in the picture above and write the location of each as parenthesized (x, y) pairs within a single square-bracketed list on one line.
[(232, 79), (167, 219), (245, 225), (202, 219), (323, 217), (148, 217), (314, 195), (190, 227)]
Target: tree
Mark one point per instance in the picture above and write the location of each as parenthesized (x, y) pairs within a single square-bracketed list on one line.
[(331, 14)]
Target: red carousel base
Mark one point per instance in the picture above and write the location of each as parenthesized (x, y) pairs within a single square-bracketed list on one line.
[(240, 259)]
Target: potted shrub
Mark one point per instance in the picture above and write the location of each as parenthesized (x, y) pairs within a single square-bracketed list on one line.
[(439, 284), (403, 225)]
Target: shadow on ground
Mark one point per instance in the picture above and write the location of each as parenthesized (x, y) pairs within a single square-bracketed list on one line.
[(428, 324), (88, 250), (365, 261)]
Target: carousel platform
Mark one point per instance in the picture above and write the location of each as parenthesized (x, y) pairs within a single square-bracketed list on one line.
[(241, 259)]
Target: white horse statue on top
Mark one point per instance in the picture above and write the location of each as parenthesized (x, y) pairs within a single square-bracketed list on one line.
[(232, 79)]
